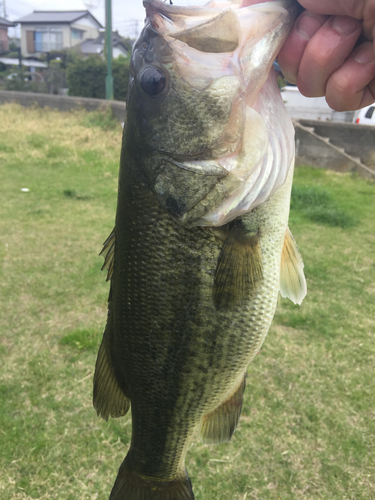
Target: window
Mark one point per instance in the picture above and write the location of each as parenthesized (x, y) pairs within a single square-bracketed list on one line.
[(77, 34), (370, 112), (47, 39)]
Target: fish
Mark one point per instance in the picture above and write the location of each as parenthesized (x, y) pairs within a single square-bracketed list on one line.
[(201, 245)]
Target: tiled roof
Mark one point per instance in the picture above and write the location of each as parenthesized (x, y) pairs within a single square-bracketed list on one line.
[(54, 16), (96, 46), (5, 22)]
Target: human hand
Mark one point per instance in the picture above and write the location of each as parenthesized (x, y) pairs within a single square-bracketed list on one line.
[(323, 56)]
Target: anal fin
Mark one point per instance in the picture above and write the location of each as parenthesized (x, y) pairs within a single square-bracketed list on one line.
[(109, 399), (219, 425), (292, 278), (239, 268)]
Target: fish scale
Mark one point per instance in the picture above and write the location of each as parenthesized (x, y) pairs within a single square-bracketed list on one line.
[(191, 301), (161, 312)]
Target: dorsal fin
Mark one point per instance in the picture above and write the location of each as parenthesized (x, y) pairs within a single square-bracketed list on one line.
[(239, 268), (108, 253), (218, 35), (292, 278)]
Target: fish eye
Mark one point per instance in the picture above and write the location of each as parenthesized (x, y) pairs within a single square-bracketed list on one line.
[(152, 81)]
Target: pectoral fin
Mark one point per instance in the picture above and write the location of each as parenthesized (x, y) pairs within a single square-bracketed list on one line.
[(292, 278), (218, 35), (239, 268), (219, 425)]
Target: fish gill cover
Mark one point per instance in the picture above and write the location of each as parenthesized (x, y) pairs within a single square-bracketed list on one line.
[(229, 51)]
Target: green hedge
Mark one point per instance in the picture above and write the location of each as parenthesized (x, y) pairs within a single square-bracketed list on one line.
[(86, 77)]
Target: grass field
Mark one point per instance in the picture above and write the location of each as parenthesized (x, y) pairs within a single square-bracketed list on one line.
[(308, 424)]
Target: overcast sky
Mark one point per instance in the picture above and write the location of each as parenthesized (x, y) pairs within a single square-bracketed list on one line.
[(127, 15)]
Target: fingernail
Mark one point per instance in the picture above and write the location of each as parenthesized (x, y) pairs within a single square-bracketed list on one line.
[(365, 54), (308, 25), (344, 24)]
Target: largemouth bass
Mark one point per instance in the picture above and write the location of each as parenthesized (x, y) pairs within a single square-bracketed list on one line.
[(201, 245)]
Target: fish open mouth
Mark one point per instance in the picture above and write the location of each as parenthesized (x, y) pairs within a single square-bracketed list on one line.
[(224, 49)]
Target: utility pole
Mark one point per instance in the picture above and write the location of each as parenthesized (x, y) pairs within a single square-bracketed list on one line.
[(108, 49), (2, 2)]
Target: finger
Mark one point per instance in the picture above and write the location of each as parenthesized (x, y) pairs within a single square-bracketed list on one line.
[(290, 56), (353, 85), (369, 22), (325, 53), (352, 8), (363, 10)]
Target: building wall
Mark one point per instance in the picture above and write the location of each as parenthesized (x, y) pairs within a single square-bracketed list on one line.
[(116, 52), (89, 28), (4, 44), (23, 40)]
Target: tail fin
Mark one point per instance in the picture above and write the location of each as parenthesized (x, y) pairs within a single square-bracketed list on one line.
[(131, 486)]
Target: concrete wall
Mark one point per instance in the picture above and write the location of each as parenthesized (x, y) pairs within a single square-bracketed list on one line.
[(357, 140), (62, 103)]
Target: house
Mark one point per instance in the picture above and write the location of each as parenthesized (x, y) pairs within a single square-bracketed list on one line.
[(44, 31), (4, 42), (96, 46)]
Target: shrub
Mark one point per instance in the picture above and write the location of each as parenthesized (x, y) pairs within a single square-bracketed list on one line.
[(86, 77), (120, 71)]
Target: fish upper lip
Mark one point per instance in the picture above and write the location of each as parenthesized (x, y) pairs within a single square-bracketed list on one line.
[(166, 8)]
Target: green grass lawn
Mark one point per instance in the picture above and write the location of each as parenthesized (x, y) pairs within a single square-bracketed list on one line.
[(308, 424)]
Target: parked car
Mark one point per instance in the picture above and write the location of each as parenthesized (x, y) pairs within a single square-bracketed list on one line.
[(365, 116)]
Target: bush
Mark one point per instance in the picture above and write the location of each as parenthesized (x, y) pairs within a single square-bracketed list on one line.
[(54, 77), (16, 79), (86, 77), (120, 72)]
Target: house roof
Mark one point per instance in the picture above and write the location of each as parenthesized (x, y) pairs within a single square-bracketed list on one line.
[(96, 46), (54, 16), (5, 22), (10, 61)]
